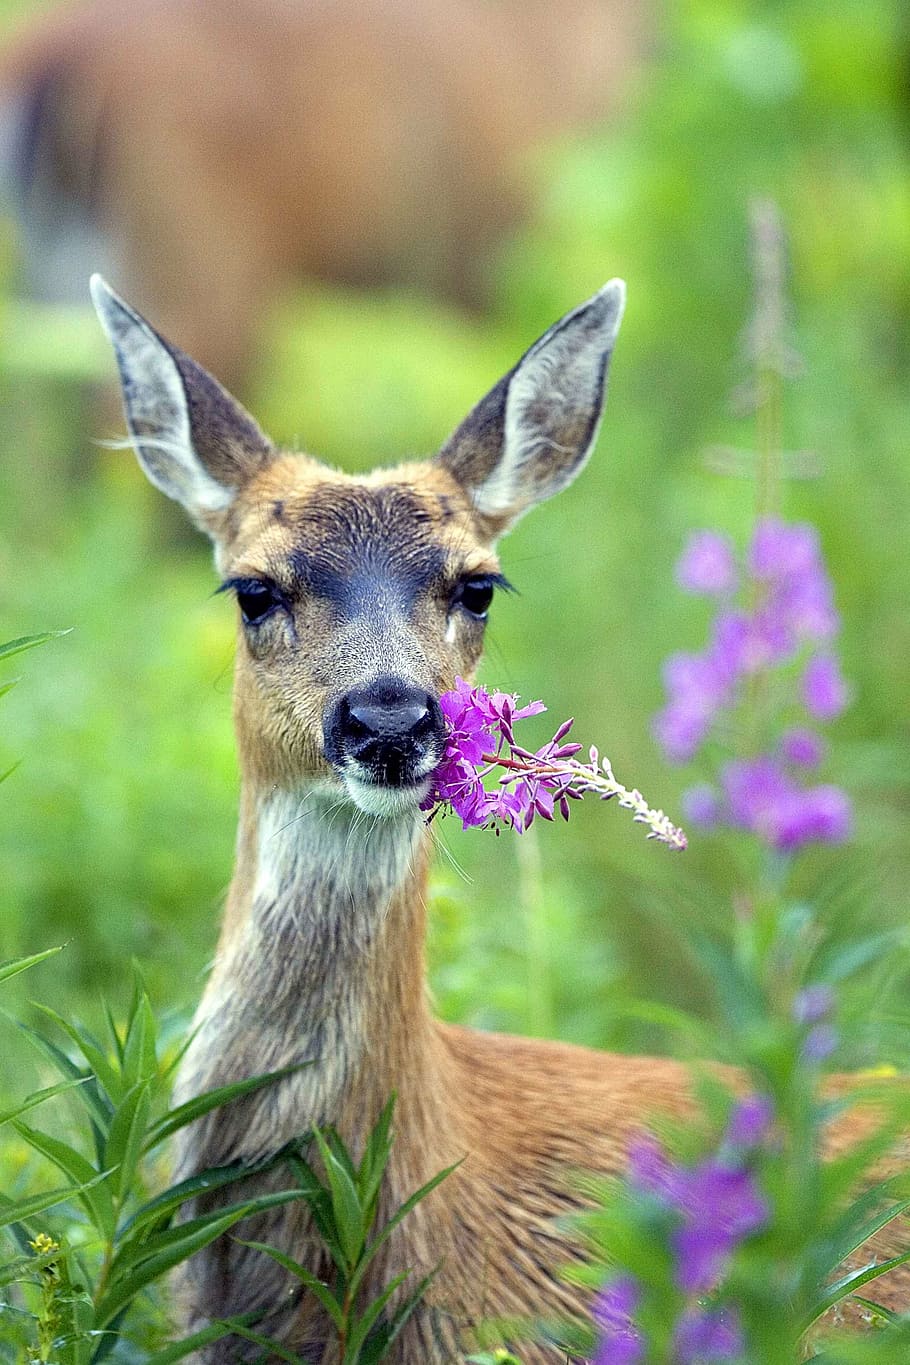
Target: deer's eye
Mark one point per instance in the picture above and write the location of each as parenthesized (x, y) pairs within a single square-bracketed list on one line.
[(257, 599), (475, 594)]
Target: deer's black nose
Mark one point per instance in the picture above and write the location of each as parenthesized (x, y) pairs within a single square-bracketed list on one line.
[(393, 730)]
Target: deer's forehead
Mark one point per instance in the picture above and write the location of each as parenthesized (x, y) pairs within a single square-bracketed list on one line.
[(309, 527)]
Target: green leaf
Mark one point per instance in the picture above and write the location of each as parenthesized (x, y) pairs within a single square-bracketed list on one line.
[(128, 1286), (362, 1325), (884, 1313), (94, 1194), (116, 1040), (346, 1209), (21, 1210), (214, 1332), (374, 1162), (22, 964), (25, 642), (382, 1337), (8, 687), (38, 1097), (164, 1205), (91, 1050), (90, 1093), (320, 1205), (203, 1104), (393, 1222), (124, 1140), (269, 1344), (339, 1151), (845, 1286), (137, 1249), (300, 1272), (860, 1232), (140, 1054)]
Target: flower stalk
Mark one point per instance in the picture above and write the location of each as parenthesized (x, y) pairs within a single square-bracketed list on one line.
[(530, 784)]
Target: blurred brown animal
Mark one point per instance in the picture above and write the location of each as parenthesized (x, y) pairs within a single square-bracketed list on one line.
[(360, 599), (208, 152)]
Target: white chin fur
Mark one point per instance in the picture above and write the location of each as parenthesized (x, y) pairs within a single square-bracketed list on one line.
[(385, 801)]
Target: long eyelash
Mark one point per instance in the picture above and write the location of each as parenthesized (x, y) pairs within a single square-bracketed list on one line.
[(495, 580), (247, 585)]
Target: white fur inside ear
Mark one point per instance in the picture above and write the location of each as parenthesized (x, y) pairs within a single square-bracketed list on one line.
[(560, 378), (156, 408)]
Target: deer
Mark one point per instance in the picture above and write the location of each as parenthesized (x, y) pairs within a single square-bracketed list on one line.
[(360, 598), (214, 154)]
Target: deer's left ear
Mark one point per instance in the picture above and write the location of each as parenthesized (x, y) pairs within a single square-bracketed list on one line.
[(534, 431), (194, 441)]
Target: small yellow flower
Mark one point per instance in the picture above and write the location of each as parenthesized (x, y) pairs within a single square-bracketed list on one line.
[(44, 1245)]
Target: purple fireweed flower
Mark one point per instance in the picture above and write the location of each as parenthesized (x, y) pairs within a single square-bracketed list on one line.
[(813, 1003), (702, 806), (820, 815), (762, 797), (819, 1043), (749, 1122), (781, 551), (807, 606), (754, 791), (718, 1201), (812, 1007), (789, 616), (721, 1206), (480, 739), (802, 747), (708, 1334), (824, 691), (651, 1170), (707, 565), (680, 732), (620, 1342)]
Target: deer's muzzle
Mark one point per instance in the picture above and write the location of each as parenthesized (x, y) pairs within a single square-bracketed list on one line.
[(387, 733)]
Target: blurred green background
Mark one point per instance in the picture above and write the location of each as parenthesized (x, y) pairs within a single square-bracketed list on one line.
[(116, 831)]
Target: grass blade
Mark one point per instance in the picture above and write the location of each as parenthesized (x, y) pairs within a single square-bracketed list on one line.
[(94, 1193), (38, 1097), (22, 964), (214, 1332), (21, 1210), (393, 1222), (24, 642), (128, 1286), (306, 1277), (200, 1105)]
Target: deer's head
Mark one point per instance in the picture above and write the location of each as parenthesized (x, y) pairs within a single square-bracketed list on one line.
[(360, 597)]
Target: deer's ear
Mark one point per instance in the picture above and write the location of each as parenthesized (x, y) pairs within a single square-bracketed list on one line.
[(534, 431), (194, 441)]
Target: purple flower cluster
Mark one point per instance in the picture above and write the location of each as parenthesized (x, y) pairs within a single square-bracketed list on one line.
[(479, 727), (480, 739), (788, 628), (715, 1205)]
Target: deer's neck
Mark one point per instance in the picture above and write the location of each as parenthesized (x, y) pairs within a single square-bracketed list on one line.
[(321, 961)]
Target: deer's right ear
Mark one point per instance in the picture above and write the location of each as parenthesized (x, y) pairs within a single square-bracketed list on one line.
[(194, 441)]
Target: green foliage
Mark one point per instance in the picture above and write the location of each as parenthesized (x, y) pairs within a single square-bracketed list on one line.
[(80, 1295), (344, 1207), (82, 1289)]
